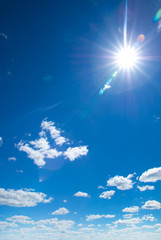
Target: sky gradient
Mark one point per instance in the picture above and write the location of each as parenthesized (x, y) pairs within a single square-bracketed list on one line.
[(76, 164)]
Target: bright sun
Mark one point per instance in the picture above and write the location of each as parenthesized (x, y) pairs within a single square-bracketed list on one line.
[(126, 58)]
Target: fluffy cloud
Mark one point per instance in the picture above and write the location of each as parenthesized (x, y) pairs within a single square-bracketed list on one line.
[(60, 211), (152, 175), (11, 159), (98, 216), (131, 209), (1, 141), (22, 198), (40, 149), (107, 194), (122, 183), (73, 153), (54, 132), (146, 187), (81, 194), (152, 205)]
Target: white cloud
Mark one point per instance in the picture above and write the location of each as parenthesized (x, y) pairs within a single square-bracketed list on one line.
[(60, 211), (73, 153), (4, 225), (146, 187), (11, 159), (152, 205), (98, 216), (132, 209), (107, 194), (40, 149), (148, 218), (122, 183), (101, 187), (54, 132), (152, 175), (4, 35), (65, 201), (81, 194), (1, 141), (22, 198), (128, 215), (20, 219), (130, 221)]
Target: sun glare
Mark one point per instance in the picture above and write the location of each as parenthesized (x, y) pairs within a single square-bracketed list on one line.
[(126, 58)]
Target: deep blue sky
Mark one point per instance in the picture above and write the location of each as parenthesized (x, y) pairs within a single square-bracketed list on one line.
[(55, 57)]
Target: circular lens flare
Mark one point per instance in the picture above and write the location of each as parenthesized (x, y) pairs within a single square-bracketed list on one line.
[(126, 58)]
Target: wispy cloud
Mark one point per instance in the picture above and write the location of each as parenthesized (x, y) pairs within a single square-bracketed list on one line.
[(146, 187), (1, 141), (12, 159), (4, 35), (98, 216)]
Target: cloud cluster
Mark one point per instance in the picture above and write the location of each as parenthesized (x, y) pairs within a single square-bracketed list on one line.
[(40, 149), (22, 198), (152, 175), (12, 159), (122, 183), (107, 194)]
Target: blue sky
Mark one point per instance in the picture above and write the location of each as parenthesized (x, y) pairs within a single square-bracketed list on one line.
[(76, 164)]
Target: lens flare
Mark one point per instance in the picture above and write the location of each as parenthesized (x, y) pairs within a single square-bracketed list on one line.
[(126, 58)]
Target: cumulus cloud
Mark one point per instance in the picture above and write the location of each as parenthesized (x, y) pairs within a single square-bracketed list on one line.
[(122, 183), (152, 175), (152, 205), (40, 149), (11, 159), (98, 216), (81, 194), (54, 132), (60, 211), (22, 198), (146, 187), (75, 152), (132, 209), (1, 141), (107, 194)]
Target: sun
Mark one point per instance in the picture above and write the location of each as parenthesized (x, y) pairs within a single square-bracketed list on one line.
[(126, 58)]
